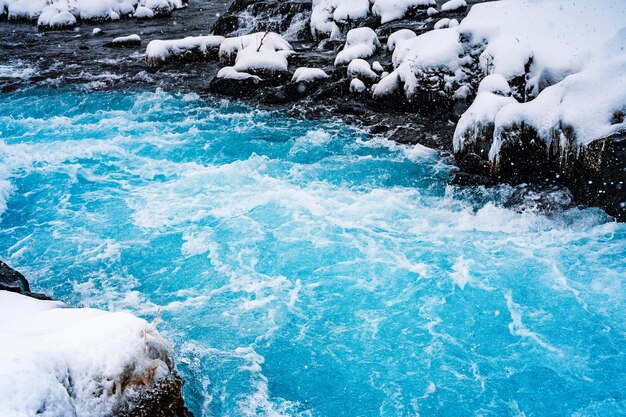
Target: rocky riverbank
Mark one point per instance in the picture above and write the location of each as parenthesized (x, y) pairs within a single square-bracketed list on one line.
[(75, 361), (426, 114)]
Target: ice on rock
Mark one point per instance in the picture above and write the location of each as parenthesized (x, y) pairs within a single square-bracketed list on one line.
[(160, 51), (360, 43), (360, 68), (570, 58), (305, 75), (59, 361), (122, 41)]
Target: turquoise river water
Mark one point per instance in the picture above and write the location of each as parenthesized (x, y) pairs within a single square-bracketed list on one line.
[(304, 268)]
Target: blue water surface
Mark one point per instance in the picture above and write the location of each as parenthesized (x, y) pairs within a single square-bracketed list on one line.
[(304, 268)]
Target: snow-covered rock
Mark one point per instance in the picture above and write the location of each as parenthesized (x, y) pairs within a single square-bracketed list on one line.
[(376, 66), (194, 47), (398, 37), (357, 86), (59, 361), (453, 5), (329, 15), (307, 75), (252, 60), (360, 43), (54, 19), (389, 10), (125, 41), (478, 122), (431, 11), (232, 74), (53, 14), (360, 68), (573, 113), (143, 12), (270, 41)]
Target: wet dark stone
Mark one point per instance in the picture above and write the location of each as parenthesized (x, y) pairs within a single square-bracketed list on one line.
[(11, 280), (164, 399)]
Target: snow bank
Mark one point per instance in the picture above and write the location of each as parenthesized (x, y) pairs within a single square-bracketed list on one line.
[(570, 56), (328, 15), (57, 361), (360, 43), (532, 45), (307, 75), (161, 51), (54, 13)]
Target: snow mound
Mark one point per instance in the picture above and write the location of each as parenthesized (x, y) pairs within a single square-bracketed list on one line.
[(307, 75), (58, 361), (161, 51)]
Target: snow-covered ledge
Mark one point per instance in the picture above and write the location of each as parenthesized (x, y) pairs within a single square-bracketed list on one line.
[(61, 361)]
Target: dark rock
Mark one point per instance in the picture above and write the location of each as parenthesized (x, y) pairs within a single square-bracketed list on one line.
[(249, 16), (124, 42), (164, 399), (12, 280)]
